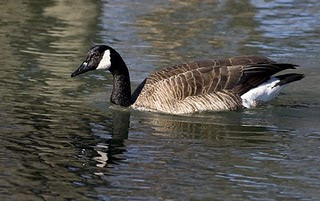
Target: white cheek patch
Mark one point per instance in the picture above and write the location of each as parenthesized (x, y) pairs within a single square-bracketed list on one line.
[(105, 62)]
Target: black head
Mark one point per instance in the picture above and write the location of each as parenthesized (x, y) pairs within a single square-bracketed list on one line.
[(99, 57)]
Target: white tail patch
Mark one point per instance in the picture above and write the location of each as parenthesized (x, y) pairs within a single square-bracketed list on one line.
[(262, 93), (105, 62)]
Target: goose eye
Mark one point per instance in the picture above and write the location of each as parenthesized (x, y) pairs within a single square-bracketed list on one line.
[(94, 55)]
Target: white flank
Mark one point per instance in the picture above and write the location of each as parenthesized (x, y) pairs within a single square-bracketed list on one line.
[(105, 62), (262, 93)]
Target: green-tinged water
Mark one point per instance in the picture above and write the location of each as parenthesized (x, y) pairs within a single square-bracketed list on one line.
[(61, 139)]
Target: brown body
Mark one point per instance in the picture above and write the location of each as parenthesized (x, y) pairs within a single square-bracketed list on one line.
[(207, 85)]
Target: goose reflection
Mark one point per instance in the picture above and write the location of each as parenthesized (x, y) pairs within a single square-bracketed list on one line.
[(109, 149), (252, 126), (110, 134)]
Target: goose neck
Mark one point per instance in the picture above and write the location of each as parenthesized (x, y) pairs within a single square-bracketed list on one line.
[(121, 92)]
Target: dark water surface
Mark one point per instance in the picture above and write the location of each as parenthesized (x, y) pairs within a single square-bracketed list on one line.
[(60, 139)]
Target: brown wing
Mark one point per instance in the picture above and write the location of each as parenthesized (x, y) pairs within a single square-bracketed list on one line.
[(182, 68), (238, 74)]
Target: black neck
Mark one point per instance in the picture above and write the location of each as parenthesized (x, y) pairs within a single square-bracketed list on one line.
[(121, 92)]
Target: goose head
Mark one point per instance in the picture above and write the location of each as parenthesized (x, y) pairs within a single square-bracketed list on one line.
[(103, 57), (100, 57)]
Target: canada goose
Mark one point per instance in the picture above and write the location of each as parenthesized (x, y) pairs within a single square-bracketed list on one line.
[(205, 85)]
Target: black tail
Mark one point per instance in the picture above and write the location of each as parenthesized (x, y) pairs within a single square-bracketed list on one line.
[(255, 74), (288, 78)]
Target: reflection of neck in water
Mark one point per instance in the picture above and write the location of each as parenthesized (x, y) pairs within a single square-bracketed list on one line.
[(120, 124), (114, 146), (106, 140)]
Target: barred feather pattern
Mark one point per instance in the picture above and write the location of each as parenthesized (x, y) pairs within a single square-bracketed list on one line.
[(206, 85)]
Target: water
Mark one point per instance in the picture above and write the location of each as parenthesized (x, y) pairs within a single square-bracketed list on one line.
[(62, 140)]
